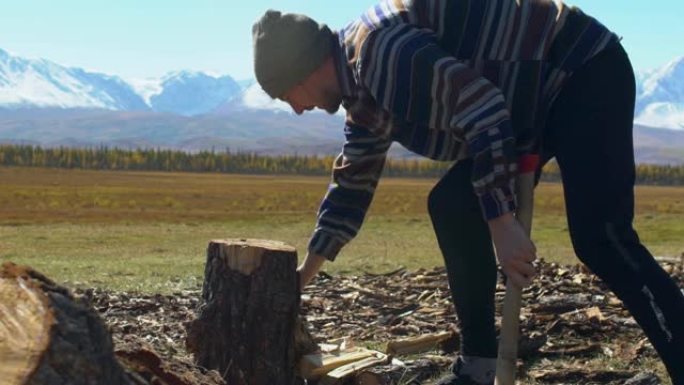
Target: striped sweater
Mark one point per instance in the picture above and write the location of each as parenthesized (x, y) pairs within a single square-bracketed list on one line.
[(448, 79)]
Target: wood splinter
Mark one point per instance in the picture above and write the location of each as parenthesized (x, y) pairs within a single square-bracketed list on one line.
[(420, 344)]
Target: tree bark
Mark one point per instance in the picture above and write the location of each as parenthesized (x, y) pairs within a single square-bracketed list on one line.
[(146, 367), (49, 337), (246, 323)]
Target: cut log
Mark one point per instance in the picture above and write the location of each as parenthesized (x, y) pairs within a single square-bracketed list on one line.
[(246, 322), (47, 336)]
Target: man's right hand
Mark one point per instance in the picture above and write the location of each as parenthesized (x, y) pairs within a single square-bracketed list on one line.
[(309, 268), (514, 249)]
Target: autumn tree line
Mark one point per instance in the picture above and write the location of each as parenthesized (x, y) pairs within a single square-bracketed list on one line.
[(104, 158)]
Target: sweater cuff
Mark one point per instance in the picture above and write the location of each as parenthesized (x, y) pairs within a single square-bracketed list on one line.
[(325, 245), (498, 201)]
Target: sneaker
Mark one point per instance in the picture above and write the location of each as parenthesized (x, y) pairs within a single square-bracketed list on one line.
[(456, 378)]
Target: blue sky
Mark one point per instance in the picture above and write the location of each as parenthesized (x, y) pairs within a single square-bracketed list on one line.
[(146, 38)]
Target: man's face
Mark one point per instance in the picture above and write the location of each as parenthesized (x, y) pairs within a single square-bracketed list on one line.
[(312, 94)]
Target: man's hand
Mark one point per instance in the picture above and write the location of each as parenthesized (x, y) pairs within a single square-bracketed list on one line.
[(514, 249), (309, 268)]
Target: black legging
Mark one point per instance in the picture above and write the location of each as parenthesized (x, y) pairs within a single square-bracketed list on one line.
[(589, 131)]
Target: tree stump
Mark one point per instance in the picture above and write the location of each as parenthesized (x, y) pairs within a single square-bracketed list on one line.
[(49, 337), (246, 322)]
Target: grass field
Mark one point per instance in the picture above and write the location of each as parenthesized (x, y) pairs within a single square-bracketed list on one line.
[(148, 230)]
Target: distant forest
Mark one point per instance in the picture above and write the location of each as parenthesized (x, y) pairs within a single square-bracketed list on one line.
[(104, 158)]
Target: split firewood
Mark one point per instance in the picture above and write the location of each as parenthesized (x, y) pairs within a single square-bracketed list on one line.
[(337, 376), (335, 345), (420, 344), (315, 365), (246, 324), (48, 336)]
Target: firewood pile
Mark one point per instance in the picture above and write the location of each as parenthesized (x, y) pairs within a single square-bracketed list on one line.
[(568, 317)]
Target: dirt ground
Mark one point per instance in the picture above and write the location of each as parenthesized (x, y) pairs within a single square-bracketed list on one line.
[(574, 330)]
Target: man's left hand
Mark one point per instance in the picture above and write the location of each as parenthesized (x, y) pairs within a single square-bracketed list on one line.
[(309, 268)]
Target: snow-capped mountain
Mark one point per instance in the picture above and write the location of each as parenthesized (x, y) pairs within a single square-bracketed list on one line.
[(47, 104), (253, 98), (660, 99), (246, 83), (42, 83), (192, 93)]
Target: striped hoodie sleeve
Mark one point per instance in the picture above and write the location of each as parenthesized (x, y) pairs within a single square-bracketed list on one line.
[(409, 74), (355, 176)]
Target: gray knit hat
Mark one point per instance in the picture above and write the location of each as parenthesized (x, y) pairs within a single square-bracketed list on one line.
[(287, 49)]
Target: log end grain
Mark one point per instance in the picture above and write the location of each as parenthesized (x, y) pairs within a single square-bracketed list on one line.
[(51, 336), (245, 255)]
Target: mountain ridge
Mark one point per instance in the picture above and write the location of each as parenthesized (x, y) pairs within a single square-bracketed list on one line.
[(260, 131), (193, 110)]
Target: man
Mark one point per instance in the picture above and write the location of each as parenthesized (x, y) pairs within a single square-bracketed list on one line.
[(480, 82)]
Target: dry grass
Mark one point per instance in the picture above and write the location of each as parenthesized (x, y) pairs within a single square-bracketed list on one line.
[(148, 230)]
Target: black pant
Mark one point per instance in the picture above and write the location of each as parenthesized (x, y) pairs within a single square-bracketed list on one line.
[(589, 131)]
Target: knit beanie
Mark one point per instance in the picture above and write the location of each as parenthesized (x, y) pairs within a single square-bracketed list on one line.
[(287, 49)]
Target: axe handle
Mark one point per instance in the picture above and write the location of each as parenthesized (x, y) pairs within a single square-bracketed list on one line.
[(510, 323)]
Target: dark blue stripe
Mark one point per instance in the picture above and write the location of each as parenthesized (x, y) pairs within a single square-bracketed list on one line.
[(329, 209), (401, 92), (472, 31), (384, 73), (441, 142), (496, 23)]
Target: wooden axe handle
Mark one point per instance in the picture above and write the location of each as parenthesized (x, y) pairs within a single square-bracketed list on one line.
[(510, 323)]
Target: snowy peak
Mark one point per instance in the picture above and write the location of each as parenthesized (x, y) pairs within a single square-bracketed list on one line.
[(660, 99), (42, 83), (191, 93), (254, 98)]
